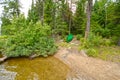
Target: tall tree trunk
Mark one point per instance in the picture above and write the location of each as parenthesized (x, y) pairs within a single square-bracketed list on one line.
[(89, 8), (39, 10), (42, 19), (70, 14), (54, 18), (105, 16)]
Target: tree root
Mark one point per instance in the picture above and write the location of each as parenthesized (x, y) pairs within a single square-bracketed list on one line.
[(33, 56), (30, 57), (3, 59)]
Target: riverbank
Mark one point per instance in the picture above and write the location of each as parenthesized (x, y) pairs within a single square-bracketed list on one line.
[(87, 68)]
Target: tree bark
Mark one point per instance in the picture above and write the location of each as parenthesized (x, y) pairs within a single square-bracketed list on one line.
[(70, 14), (89, 8), (39, 7), (42, 19), (54, 18)]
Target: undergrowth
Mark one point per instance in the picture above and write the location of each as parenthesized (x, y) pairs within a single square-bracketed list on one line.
[(97, 46), (32, 39)]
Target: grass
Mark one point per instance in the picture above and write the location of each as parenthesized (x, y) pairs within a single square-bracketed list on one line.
[(109, 53), (65, 44)]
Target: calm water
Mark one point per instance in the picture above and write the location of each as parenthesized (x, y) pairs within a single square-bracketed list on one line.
[(36, 69)]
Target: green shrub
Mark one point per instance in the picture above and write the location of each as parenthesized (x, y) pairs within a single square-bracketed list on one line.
[(60, 29), (92, 52), (17, 24), (34, 39), (96, 40), (115, 39), (78, 36), (2, 42), (106, 42), (93, 41)]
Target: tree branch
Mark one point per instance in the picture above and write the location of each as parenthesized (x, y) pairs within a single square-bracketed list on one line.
[(3, 59)]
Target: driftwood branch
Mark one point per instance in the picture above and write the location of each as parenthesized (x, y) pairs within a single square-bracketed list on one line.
[(33, 56), (3, 59)]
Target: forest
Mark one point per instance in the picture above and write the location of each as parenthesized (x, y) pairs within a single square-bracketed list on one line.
[(60, 40), (95, 24)]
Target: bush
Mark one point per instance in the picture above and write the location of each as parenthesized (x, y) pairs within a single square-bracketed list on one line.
[(17, 24), (78, 36), (115, 40), (92, 52), (93, 41), (60, 29), (96, 40), (106, 42), (34, 39), (2, 42)]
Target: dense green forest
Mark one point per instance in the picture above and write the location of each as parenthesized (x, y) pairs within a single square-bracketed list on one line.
[(94, 24)]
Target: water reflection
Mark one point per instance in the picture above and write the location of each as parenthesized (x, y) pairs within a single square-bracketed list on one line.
[(37, 69)]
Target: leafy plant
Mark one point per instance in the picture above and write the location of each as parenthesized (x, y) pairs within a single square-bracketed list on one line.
[(34, 39), (92, 52), (2, 42), (16, 25), (92, 42), (78, 36)]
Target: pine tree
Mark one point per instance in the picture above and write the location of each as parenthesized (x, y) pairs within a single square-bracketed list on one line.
[(99, 18), (33, 13), (48, 11), (79, 18), (114, 18), (62, 18), (11, 9)]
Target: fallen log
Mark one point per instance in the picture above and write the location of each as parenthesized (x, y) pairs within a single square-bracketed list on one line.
[(33, 56), (3, 59)]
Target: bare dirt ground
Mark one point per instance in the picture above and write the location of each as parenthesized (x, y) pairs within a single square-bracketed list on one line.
[(87, 68)]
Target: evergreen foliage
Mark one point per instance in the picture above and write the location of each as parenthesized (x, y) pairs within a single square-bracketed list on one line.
[(11, 9), (79, 18), (61, 18), (16, 25), (29, 39), (28, 36), (105, 18), (33, 13)]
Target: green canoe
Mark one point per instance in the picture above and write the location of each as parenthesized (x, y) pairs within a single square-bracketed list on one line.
[(69, 38)]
